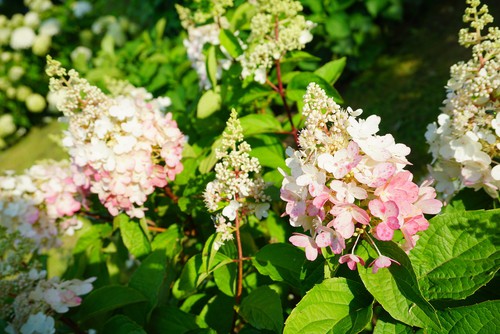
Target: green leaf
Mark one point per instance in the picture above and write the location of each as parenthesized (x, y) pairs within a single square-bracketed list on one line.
[(337, 305), (253, 92), (297, 87), (479, 318), (374, 7), (160, 28), (133, 236), (212, 65), (268, 157), (387, 325), (281, 261), (190, 273), (194, 271), (108, 44), (332, 70), (121, 324), (297, 56), (225, 278), (169, 319), (218, 313), (209, 103), (170, 241), (396, 288), (230, 43), (209, 252), (337, 26), (109, 298), (458, 254), (150, 277), (263, 123), (262, 309), (208, 162)]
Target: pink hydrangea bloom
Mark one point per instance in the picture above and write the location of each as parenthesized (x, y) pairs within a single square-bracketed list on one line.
[(351, 260), (125, 146), (346, 181), (305, 241), (382, 262), (39, 203)]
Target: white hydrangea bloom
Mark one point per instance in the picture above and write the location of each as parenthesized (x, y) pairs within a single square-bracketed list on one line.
[(465, 141), (238, 186), (22, 38)]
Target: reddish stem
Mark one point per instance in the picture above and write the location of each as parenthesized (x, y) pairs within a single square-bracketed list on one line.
[(239, 285), (281, 90), (170, 194), (239, 282), (156, 229)]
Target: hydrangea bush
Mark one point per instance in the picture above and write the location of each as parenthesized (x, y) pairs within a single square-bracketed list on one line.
[(215, 184)]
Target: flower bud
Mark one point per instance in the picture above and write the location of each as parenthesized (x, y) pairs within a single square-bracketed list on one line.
[(11, 92), (35, 103), (5, 57), (15, 73), (22, 93), (31, 19), (42, 45), (7, 125)]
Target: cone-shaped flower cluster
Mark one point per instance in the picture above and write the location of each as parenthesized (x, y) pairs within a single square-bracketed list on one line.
[(238, 186), (276, 29), (124, 146), (465, 142), (346, 181)]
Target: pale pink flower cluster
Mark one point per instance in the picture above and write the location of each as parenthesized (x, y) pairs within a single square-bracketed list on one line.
[(465, 141), (238, 186), (125, 146), (41, 298), (41, 203), (348, 182)]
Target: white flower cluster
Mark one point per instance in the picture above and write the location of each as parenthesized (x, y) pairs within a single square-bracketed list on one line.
[(41, 203), (32, 308), (198, 37), (276, 29), (201, 33), (237, 187), (465, 142), (20, 35), (124, 146), (29, 30)]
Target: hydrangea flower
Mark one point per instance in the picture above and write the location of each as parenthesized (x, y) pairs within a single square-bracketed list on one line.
[(276, 29), (348, 182), (465, 141), (203, 26), (238, 186), (124, 147), (41, 203), (40, 298)]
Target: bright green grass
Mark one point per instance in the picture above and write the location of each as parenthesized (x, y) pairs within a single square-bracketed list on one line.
[(37, 145)]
